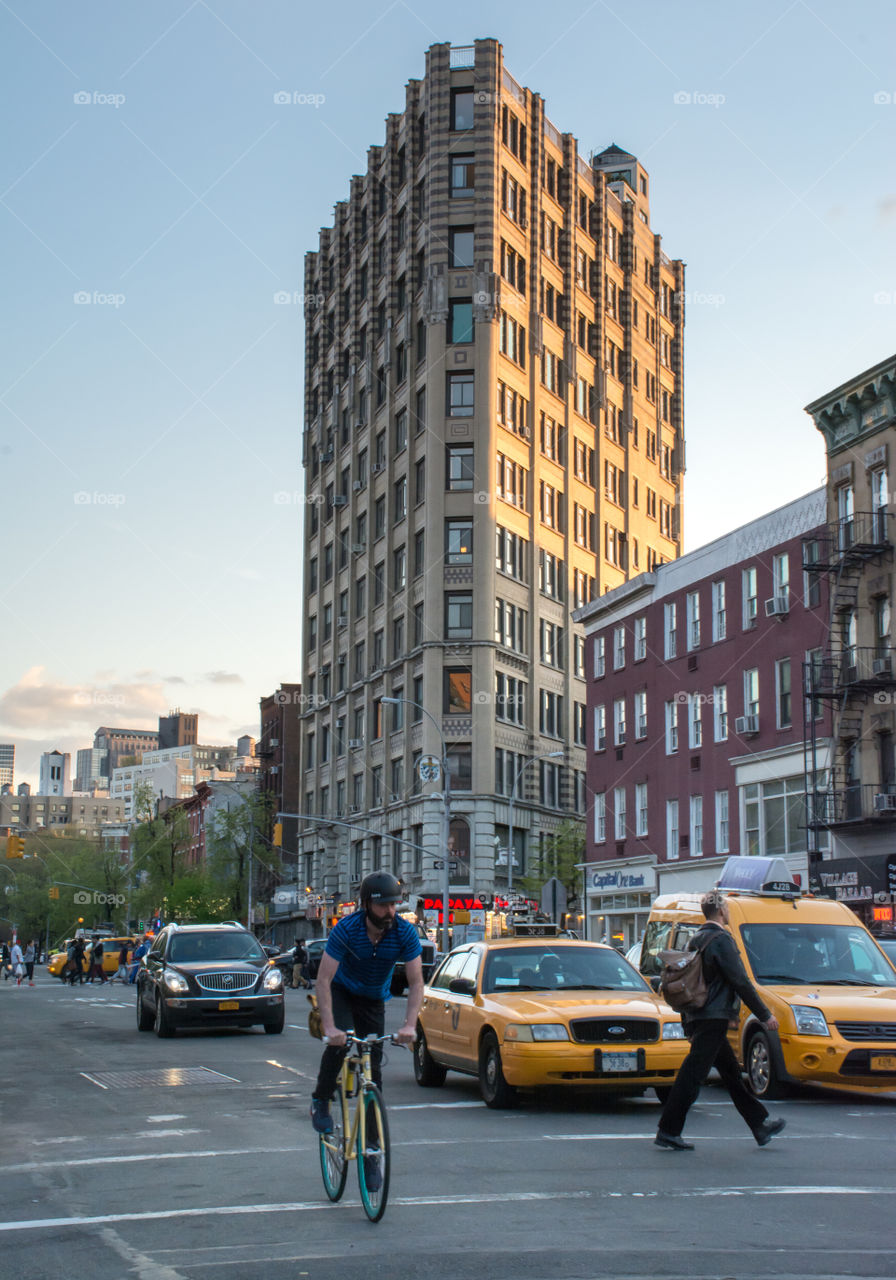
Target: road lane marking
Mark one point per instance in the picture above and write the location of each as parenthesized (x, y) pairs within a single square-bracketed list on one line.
[(517, 1197), (142, 1266)]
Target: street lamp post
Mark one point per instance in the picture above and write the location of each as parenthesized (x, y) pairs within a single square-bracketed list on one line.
[(446, 813), (548, 755)]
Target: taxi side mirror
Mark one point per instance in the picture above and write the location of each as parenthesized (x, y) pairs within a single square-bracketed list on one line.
[(462, 986)]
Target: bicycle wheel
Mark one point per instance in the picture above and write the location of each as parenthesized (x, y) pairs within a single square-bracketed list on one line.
[(333, 1161), (373, 1155)]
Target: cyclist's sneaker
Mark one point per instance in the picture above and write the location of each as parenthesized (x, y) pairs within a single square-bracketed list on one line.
[(372, 1174), (321, 1119)]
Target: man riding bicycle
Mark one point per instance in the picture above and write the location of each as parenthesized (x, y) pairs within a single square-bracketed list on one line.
[(354, 979)]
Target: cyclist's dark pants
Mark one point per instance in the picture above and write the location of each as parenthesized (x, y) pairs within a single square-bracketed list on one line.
[(365, 1017)]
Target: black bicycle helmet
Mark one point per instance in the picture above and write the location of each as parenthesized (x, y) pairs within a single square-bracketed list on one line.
[(380, 886)]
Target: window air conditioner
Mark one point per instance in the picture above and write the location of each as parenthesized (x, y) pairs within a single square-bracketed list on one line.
[(357, 486), (885, 804), (777, 607), (273, 742), (358, 547), (342, 620), (377, 468), (327, 455), (355, 743), (882, 666), (746, 725), (340, 500), (394, 799), (354, 808)]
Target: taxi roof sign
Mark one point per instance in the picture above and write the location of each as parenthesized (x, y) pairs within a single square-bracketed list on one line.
[(758, 875)]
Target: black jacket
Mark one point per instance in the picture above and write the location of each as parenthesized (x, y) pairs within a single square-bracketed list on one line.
[(725, 975)]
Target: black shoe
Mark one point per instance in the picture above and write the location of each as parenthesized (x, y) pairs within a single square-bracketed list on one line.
[(373, 1177), (764, 1132), (672, 1141)]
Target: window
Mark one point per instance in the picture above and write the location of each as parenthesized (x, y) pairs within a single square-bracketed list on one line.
[(641, 714), (511, 624), (511, 481), (460, 320), (600, 728), (671, 727), (671, 830), (750, 598), (512, 339), (462, 176), (751, 692), (550, 721), (461, 108), (640, 808), (510, 698), (600, 818), (722, 822), (640, 645), (619, 722), (458, 615), (459, 467), (578, 728), (458, 691), (619, 813), (783, 702), (781, 575), (460, 246), (460, 395), (459, 758), (400, 499), (720, 713), (670, 614), (459, 541), (513, 410), (579, 656), (618, 648), (695, 720), (551, 644), (419, 481), (511, 554), (693, 617), (775, 817), (696, 826), (600, 657), (719, 620), (811, 577)]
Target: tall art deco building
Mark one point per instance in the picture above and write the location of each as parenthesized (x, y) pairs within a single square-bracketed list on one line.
[(493, 436)]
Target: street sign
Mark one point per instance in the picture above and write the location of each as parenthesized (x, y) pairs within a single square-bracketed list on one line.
[(891, 874), (429, 768), (439, 864)]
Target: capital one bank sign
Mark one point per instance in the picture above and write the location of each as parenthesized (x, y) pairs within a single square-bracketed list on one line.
[(619, 881)]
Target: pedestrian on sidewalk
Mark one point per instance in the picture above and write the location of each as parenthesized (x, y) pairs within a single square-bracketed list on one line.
[(30, 952), (4, 960), (707, 1030), (76, 962), (18, 966)]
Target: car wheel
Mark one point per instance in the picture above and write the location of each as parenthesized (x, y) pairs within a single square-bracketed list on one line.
[(761, 1074), (427, 1072), (274, 1027), (662, 1092), (495, 1090), (163, 1027), (144, 1015)]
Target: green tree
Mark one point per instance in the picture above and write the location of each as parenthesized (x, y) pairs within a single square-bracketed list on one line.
[(558, 855), (229, 840)]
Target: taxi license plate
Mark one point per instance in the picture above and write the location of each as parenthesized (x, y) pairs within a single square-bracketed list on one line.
[(883, 1062), (225, 1005), (618, 1062)]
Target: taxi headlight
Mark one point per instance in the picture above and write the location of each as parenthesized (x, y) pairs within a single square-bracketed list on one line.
[(273, 980), (810, 1021), (673, 1031), (175, 981), (536, 1031)]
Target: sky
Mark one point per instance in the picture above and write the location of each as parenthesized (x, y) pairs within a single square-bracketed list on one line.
[(157, 196)]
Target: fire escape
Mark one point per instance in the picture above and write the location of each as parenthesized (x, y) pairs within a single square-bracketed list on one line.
[(847, 677)]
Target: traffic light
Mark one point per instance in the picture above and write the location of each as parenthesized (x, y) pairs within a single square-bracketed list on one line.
[(277, 840), (15, 846)]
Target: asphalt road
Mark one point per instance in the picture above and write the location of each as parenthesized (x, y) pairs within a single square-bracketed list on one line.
[(117, 1165)]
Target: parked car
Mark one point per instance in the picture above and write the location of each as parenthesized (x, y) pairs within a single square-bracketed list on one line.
[(529, 1012), (208, 975)]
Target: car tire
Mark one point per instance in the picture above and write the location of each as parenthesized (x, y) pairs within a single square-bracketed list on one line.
[(428, 1073), (761, 1074), (144, 1015), (495, 1090), (163, 1027), (662, 1092), (276, 1025)]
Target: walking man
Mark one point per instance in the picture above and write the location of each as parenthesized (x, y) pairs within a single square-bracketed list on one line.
[(30, 952), (96, 962), (122, 971), (707, 1030), (300, 965), (18, 966)]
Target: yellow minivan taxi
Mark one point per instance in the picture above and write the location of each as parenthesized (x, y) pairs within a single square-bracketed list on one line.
[(111, 949), (815, 965)]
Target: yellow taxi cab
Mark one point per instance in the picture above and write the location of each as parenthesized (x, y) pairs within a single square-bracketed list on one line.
[(111, 948), (816, 967), (525, 1012)]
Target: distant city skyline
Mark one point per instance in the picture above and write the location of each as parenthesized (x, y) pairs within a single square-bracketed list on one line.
[(170, 167)]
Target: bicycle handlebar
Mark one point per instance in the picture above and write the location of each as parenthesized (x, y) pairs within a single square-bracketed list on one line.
[(351, 1039)]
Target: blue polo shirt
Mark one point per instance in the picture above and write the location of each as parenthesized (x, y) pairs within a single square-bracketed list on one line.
[(366, 967)]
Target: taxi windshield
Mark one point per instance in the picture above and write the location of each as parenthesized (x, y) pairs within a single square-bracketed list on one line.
[(197, 948), (559, 969), (810, 955)]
